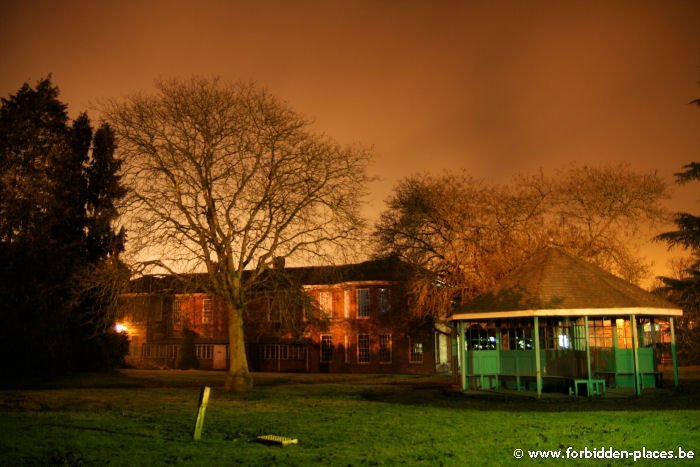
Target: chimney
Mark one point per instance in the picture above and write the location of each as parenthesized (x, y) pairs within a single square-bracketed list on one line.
[(278, 262)]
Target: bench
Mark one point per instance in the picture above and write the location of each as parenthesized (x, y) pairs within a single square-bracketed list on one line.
[(597, 386)]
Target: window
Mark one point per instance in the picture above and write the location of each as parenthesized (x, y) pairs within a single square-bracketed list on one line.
[(207, 310), (204, 351), (385, 348), (478, 338), (159, 310), (362, 303), (416, 348), (384, 300), (600, 332), (346, 303), (578, 334), (624, 333), (517, 337), (274, 310), (168, 351), (363, 349), (177, 312), (283, 352), (325, 300), (326, 348)]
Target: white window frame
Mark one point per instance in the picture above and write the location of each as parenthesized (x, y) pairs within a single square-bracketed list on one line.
[(325, 302), (207, 310), (359, 349), (204, 351), (346, 303), (358, 304)]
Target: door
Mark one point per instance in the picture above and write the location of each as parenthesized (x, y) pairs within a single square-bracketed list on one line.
[(219, 362)]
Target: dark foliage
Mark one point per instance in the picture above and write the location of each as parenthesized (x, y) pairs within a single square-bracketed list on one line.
[(58, 186), (685, 289)]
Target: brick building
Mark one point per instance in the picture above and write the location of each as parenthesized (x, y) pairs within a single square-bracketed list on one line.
[(350, 318)]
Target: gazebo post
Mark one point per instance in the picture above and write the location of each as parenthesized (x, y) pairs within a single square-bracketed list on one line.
[(588, 356), (462, 356), (615, 344), (673, 351), (635, 354), (538, 371)]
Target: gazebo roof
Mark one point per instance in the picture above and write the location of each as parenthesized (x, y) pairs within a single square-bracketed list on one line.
[(556, 283)]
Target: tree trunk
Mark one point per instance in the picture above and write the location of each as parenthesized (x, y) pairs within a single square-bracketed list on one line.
[(238, 378)]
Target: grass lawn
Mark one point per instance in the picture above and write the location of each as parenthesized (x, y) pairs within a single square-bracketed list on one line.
[(136, 417)]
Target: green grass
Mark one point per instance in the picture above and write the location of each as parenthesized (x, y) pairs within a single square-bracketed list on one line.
[(146, 418)]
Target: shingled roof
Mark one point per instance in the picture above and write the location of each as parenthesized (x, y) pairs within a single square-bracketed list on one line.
[(389, 269), (556, 283)]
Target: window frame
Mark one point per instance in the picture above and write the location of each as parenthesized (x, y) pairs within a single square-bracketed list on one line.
[(176, 312), (362, 310), (325, 303), (361, 352), (386, 339), (326, 349), (384, 299), (207, 315), (412, 341)]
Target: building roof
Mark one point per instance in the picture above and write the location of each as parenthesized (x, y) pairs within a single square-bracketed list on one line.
[(556, 283), (389, 269)]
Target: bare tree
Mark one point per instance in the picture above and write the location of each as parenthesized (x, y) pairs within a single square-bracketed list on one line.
[(224, 178), (467, 233)]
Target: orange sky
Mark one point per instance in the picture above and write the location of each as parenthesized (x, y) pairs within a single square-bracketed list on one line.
[(495, 87)]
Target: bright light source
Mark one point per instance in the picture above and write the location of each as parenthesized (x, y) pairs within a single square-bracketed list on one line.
[(563, 341), (120, 327)]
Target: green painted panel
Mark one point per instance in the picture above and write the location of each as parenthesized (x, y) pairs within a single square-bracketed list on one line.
[(624, 364), (483, 362), (518, 362)]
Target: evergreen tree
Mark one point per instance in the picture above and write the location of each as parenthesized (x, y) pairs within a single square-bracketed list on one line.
[(56, 210), (685, 290)]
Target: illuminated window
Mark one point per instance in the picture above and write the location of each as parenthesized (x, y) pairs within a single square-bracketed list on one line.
[(326, 348), (346, 304), (325, 301), (363, 348), (416, 350), (207, 310), (362, 303), (624, 333), (600, 332), (384, 300), (385, 348)]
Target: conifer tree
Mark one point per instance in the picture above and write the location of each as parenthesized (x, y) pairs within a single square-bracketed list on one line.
[(57, 194), (685, 289)]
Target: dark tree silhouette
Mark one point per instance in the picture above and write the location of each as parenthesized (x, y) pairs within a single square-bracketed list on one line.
[(684, 289), (57, 193)]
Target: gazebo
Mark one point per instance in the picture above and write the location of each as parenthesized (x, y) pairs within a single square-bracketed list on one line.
[(559, 321)]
